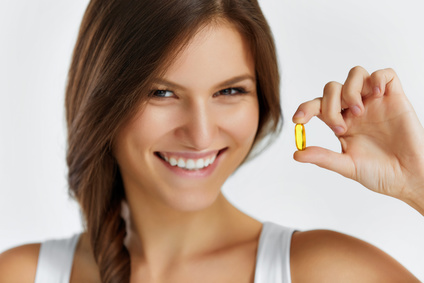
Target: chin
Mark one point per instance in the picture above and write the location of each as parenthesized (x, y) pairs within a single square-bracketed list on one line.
[(192, 202)]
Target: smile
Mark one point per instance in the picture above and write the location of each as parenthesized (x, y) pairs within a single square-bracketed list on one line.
[(190, 161)]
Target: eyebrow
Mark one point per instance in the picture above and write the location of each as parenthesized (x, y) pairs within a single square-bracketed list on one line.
[(225, 83)]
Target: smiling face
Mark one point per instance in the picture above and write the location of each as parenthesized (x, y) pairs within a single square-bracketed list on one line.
[(197, 128)]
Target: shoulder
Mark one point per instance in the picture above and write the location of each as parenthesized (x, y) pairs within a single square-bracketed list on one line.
[(19, 264), (85, 268), (334, 257)]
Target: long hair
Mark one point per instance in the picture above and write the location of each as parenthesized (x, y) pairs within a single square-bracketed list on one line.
[(122, 45)]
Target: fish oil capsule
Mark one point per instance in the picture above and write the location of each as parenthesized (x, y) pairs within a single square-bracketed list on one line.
[(299, 133)]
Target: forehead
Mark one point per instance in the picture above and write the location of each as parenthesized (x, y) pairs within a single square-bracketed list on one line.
[(217, 52)]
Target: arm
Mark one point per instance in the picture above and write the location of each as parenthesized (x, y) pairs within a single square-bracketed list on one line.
[(327, 256), (380, 135), (19, 265)]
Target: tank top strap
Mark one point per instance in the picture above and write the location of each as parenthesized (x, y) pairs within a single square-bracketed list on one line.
[(273, 255), (55, 260)]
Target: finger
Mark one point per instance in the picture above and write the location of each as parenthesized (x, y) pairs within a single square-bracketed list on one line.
[(331, 108), (307, 110), (384, 82), (324, 158), (355, 87)]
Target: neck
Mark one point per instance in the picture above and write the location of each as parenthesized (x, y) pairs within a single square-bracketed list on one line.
[(159, 236)]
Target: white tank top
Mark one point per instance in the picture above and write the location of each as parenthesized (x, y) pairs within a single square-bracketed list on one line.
[(55, 260), (272, 259)]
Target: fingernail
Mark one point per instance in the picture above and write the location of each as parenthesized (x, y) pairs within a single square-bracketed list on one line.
[(299, 114), (356, 110), (338, 130), (376, 90)]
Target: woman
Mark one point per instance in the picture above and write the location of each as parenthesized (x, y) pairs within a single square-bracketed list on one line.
[(165, 100)]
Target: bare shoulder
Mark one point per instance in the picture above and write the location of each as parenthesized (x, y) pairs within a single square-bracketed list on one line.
[(84, 268), (330, 256), (19, 264)]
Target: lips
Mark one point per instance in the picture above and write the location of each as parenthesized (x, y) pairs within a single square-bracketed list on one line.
[(189, 160)]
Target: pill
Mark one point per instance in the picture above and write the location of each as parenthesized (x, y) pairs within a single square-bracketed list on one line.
[(299, 133)]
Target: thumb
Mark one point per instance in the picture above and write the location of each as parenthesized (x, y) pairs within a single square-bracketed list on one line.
[(327, 159)]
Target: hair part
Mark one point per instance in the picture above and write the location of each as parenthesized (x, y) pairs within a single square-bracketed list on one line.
[(121, 47)]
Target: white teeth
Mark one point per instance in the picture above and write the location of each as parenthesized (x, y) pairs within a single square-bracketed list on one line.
[(181, 163), (172, 161), (200, 163), (189, 164)]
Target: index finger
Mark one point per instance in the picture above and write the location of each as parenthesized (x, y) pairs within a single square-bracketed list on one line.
[(307, 110)]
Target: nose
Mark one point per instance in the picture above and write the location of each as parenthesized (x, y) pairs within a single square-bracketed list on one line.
[(200, 126)]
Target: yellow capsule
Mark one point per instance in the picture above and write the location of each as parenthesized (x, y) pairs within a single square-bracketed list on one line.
[(299, 133)]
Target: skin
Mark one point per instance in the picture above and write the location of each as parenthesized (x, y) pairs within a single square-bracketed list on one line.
[(182, 223), (379, 132), (182, 229)]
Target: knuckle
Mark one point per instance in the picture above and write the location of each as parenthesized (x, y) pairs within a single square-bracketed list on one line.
[(379, 74), (331, 86), (356, 70), (376, 76), (391, 70)]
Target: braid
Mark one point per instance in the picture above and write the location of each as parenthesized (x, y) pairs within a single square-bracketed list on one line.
[(99, 190), (108, 246)]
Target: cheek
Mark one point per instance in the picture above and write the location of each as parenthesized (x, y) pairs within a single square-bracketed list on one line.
[(242, 123), (150, 126), (134, 142)]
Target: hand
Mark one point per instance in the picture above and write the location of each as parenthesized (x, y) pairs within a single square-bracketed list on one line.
[(381, 137)]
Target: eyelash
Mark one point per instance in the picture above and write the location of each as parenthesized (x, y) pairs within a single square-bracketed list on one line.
[(154, 93), (238, 91)]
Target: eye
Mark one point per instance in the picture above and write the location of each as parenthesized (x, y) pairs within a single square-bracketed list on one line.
[(231, 91), (161, 93)]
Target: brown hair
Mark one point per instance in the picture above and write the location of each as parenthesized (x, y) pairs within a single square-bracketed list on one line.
[(122, 45)]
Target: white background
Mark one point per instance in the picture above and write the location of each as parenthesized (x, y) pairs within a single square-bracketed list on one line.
[(318, 41)]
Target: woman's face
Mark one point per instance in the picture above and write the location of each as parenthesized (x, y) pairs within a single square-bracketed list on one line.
[(197, 128)]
